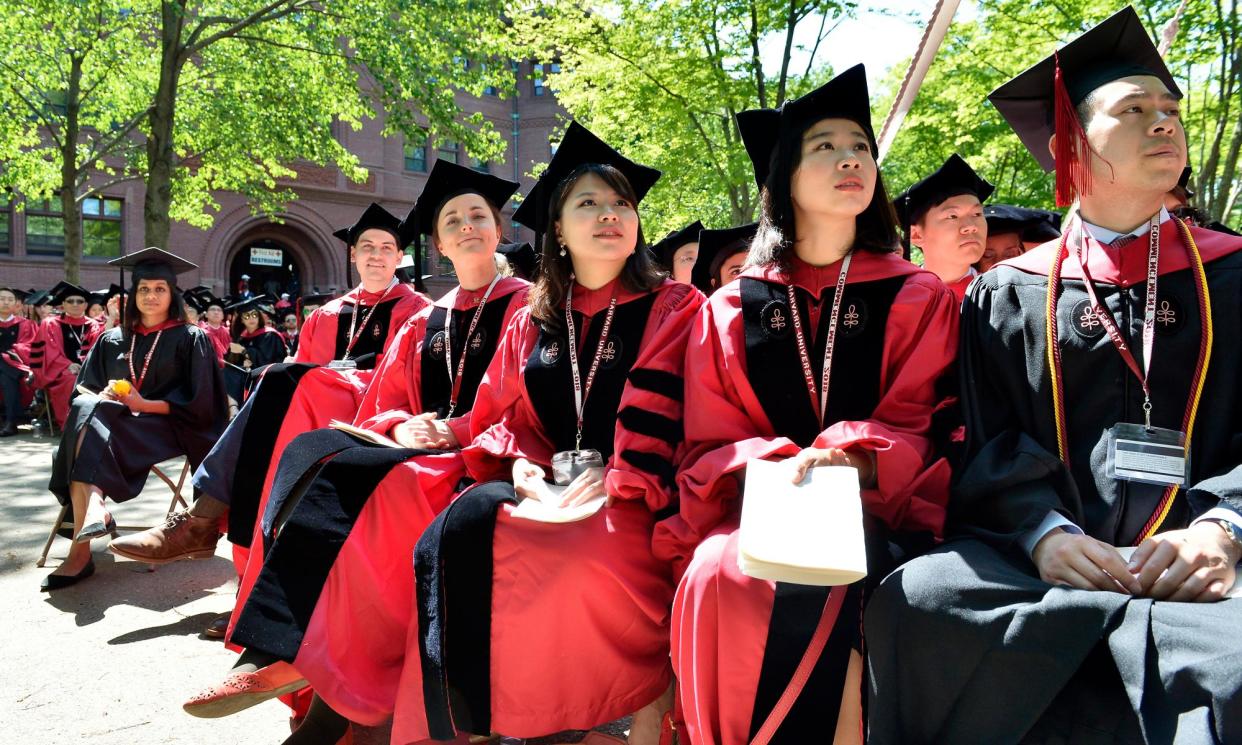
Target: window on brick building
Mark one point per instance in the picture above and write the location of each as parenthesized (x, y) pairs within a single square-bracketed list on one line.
[(480, 165), (536, 76), (416, 154), (101, 226), (102, 222), (447, 151), (6, 223)]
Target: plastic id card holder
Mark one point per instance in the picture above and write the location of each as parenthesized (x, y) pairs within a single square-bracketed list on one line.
[(342, 365), (1149, 455)]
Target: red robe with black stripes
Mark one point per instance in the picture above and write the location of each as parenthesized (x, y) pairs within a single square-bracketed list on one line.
[(897, 335), (354, 647), (580, 610), (52, 371), (17, 335), (326, 393)]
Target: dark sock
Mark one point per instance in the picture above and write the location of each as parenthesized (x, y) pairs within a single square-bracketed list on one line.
[(251, 660), (322, 726)]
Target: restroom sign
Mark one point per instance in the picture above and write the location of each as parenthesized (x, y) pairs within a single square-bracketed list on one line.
[(266, 257)]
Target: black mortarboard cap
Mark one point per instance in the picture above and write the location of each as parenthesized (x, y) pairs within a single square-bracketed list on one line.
[(376, 217), (1042, 98), (522, 257), (153, 263), (954, 178), (259, 302), (41, 297), (714, 247), (448, 180), (843, 97), (668, 245), (1030, 224), (65, 289), (577, 148), (194, 301), (206, 297)]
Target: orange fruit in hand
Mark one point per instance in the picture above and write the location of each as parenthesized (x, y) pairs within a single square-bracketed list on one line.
[(121, 387)]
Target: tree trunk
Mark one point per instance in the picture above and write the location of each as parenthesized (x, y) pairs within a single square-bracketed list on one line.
[(71, 213), (160, 154)]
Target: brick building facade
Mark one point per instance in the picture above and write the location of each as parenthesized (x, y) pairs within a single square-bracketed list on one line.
[(308, 257)]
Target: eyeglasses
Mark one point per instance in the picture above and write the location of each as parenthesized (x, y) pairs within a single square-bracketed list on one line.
[(249, 314), (74, 301)]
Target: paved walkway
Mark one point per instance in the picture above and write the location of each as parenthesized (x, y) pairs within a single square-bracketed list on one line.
[(108, 661)]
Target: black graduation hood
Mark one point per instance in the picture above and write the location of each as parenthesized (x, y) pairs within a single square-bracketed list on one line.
[(448, 180), (579, 147), (1117, 48), (714, 247), (954, 178), (843, 97)]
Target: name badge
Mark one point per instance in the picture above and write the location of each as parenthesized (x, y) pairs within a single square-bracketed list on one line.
[(1148, 455), (342, 365)]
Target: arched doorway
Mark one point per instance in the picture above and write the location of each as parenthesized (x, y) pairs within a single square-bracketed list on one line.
[(270, 266)]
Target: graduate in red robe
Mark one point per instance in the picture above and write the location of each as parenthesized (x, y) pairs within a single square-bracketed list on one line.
[(64, 341), (336, 357), (421, 396), (828, 242), (678, 251), (1101, 398), (539, 628), (17, 334), (943, 216)]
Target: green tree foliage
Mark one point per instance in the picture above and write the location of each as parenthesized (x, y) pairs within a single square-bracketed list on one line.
[(951, 113), (76, 86), (195, 96), (662, 82)]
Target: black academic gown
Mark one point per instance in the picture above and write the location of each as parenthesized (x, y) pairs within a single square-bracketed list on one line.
[(119, 448), (968, 644)]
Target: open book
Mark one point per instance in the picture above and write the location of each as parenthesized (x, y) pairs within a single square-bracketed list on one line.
[(809, 533), (366, 435), (545, 509)]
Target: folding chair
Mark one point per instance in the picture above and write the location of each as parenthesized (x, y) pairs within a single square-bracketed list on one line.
[(177, 500)]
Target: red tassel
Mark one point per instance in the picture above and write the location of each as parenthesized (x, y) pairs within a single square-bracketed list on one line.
[(1073, 152)]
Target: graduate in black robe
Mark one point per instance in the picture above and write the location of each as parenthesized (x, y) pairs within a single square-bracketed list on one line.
[(1032, 626), (158, 394), (255, 344)]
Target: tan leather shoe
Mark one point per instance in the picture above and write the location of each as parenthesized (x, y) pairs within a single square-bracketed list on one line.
[(182, 536)]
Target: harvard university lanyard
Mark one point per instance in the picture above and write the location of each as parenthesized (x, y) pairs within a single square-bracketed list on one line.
[(803, 350), (448, 347), (1101, 314), (146, 363), (353, 319), (581, 392)]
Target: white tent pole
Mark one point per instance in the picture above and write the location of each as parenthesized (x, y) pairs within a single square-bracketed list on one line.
[(937, 27)]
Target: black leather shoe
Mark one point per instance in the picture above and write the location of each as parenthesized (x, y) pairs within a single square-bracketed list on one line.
[(10, 429), (96, 530), (61, 581)]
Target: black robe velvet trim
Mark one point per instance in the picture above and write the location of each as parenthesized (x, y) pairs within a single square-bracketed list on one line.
[(72, 344), (651, 424), (371, 338), (435, 385), (456, 657), (550, 385), (300, 551), (659, 382), (236, 468), (653, 463)]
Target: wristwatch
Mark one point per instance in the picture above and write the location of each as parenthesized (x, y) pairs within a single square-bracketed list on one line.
[(1230, 530)]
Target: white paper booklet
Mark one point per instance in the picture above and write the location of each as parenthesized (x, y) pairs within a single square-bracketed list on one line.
[(366, 435), (809, 533), (545, 510)]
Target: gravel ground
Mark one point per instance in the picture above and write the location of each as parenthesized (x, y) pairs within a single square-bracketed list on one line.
[(109, 660)]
